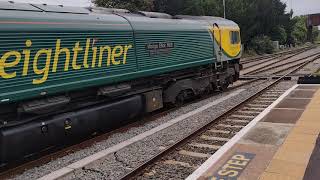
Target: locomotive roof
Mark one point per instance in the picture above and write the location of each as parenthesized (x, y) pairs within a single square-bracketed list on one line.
[(210, 19), (101, 17), (11, 5)]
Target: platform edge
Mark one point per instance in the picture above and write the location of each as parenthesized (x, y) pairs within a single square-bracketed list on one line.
[(217, 155)]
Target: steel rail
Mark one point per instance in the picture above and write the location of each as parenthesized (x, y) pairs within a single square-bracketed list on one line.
[(246, 61), (296, 65), (272, 65), (292, 54), (275, 75), (280, 65)]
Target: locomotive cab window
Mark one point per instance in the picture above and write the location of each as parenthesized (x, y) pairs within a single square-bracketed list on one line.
[(235, 37)]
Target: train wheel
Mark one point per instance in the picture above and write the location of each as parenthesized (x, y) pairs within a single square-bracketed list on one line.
[(184, 96), (224, 86), (236, 77), (180, 99)]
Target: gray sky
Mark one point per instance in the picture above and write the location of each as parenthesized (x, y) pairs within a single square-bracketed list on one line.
[(300, 7)]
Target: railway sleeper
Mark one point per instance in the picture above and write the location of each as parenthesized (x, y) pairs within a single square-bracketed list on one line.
[(219, 131), (179, 163), (257, 110)]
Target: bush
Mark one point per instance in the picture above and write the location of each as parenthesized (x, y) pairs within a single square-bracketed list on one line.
[(249, 53), (316, 34), (279, 34), (299, 33), (262, 45)]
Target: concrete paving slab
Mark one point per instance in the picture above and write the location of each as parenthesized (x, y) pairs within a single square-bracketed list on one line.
[(294, 103), (313, 87), (283, 116), (289, 169), (276, 176), (267, 134), (301, 94)]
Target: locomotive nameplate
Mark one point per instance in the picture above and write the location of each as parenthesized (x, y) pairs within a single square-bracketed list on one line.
[(159, 48)]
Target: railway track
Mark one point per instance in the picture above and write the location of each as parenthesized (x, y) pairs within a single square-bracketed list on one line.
[(282, 65), (182, 158), (278, 71), (38, 160), (293, 65), (247, 68), (274, 56)]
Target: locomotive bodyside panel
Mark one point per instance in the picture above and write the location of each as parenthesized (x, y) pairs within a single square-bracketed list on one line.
[(48, 54), (171, 44), (54, 53)]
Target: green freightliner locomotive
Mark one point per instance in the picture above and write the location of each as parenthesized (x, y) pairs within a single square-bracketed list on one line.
[(67, 73)]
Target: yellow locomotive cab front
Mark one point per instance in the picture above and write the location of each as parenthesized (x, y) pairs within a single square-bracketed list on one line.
[(230, 40)]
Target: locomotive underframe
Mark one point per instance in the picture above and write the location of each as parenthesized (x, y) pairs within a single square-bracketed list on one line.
[(61, 119)]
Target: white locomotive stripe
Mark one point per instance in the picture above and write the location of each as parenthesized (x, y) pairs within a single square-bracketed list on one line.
[(217, 155), (99, 155)]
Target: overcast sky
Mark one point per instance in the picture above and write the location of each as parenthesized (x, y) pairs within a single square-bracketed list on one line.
[(300, 7)]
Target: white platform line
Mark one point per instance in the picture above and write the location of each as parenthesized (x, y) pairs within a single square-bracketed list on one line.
[(313, 90), (217, 155), (99, 155), (293, 109), (308, 85), (293, 98)]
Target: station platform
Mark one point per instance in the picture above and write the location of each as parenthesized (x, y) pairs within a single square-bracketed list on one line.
[(282, 143)]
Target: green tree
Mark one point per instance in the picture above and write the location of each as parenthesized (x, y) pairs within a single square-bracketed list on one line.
[(289, 27), (262, 44), (194, 7), (132, 5), (174, 7), (203, 7), (189, 7), (160, 5), (278, 33), (299, 32), (316, 33), (259, 17)]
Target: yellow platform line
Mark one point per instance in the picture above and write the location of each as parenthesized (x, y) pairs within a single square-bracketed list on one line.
[(292, 158)]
